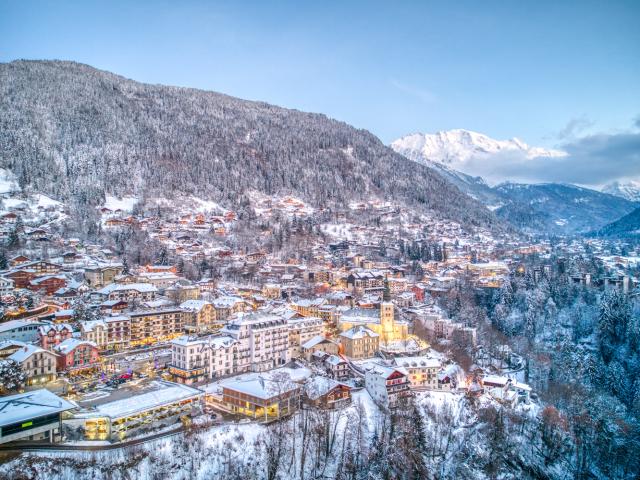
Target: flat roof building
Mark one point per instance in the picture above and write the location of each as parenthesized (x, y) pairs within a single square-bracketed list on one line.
[(32, 416)]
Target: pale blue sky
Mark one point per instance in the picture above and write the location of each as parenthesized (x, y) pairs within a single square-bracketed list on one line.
[(526, 69)]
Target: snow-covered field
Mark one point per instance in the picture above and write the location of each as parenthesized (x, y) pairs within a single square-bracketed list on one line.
[(125, 204)]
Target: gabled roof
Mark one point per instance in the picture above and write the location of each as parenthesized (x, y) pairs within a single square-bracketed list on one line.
[(71, 344), (317, 340), (318, 386), (358, 333), (25, 352)]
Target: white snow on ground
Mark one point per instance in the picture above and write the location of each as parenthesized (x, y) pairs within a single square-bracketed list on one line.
[(372, 411), (8, 183), (338, 230), (10, 203), (206, 205), (125, 203), (45, 202)]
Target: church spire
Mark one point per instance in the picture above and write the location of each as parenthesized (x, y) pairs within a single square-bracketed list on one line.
[(386, 295)]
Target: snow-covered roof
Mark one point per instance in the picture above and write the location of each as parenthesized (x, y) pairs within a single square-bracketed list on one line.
[(90, 325), (314, 341), (139, 287), (194, 305), (415, 362), (319, 386), (334, 360), (166, 393), (70, 344), (13, 324), (25, 352), (29, 405), (496, 380), (226, 302), (260, 386), (358, 332), (384, 370)]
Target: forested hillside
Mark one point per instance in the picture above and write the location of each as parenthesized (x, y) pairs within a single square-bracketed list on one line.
[(75, 132), (629, 225)]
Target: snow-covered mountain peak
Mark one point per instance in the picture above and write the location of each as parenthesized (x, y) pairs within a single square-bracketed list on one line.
[(629, 190), (456, 147)]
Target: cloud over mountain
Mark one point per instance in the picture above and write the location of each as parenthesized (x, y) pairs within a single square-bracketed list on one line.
[(589, 160)]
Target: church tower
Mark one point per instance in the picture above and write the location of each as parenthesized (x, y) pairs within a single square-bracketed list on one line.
[(386, 314)]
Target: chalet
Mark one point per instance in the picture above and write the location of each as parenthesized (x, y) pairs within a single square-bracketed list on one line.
[(127, 291), (66, 294), (41, 267), (9, 218), (337, 367), (114, 223), (54, 334), (255, 256), (95, 331), (422, 372), (65, 315), (38, 234), (226, 306), (113, 306), (161, 269), (200, 315), (364, 280), (324, 392), (19, 260), (207, 285), (69, 257), (21, 277), (47, 284)]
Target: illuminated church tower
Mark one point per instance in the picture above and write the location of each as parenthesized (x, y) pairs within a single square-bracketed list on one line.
[(386, 314)]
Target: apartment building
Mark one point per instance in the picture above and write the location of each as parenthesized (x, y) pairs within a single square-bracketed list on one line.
[(422, 372), (95, 331), (102, 275), (153, 326), (128, 292), (199, 316), (195, 359), (301, 330), (264, 338), (118, 332), (386, 385)]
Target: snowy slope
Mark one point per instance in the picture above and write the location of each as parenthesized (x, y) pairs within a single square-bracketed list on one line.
[(629, 190)]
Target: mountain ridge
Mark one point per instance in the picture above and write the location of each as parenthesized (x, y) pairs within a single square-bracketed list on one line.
[(78, 133), (629, 190), (456, 147), (557, 208)]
